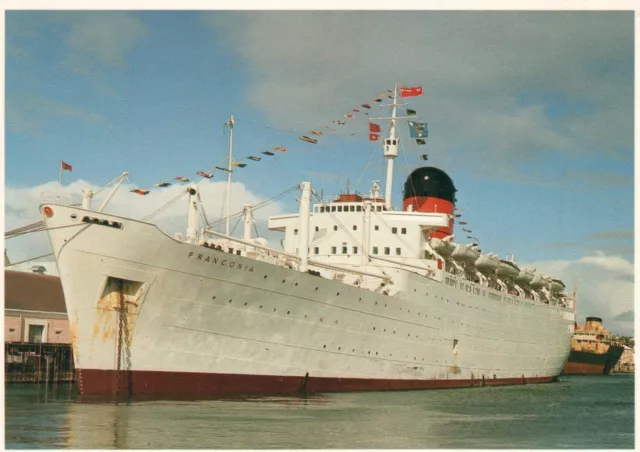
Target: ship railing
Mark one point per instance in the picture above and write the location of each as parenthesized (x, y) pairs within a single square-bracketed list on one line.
[(60, 197), (288, 257)]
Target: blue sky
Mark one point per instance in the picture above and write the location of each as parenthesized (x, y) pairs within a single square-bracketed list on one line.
[(531, 114)]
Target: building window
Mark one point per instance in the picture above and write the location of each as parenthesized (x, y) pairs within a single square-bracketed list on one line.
[(35, 333), (316, 250), (335, 228), (403, 230), (355, 228), (375, 250), (376, 227), (295, 232), (398, 252), (394, 230), (334, 250), (355, 250), (344, 250), (387, 250)]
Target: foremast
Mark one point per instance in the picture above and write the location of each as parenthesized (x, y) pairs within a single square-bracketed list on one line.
[(390, 150)]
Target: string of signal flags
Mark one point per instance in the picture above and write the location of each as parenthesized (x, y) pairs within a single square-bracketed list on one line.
[(417, 131)]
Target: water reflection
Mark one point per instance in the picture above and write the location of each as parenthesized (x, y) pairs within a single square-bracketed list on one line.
[(576, 413)]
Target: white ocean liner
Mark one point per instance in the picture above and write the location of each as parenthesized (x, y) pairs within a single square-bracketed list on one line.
[(357, 300)]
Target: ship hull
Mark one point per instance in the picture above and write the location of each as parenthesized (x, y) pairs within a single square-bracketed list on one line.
[(94, 382), (177, 318), (590, 363)]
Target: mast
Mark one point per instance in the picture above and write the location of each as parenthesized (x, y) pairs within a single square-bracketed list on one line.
[(229, 124), (391, 151)]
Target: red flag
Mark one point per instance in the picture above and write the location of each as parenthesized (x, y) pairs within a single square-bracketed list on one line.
[(411, 92), (373, 137), (65, 166), (374, 127)]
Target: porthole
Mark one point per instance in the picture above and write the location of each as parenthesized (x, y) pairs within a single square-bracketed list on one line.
[(213, 298), (374, 328), (245, 303), (274, 309), (296, 284), (260, 306), (324, 346), (338, 294), (265, 276), (230, 300), (283, 280), (369, 352), (316, 288), (288, 312), (339, 348)]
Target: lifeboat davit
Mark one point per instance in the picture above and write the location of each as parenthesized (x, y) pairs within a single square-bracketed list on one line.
[(487, 263), (556, 285), (465, 253), (441, 246), (508, 269), (525, 276), (539, 281)]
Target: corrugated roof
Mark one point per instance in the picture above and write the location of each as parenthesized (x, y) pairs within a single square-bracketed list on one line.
[(33, 292)]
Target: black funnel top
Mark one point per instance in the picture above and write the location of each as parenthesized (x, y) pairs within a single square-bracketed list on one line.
[(432, 182)]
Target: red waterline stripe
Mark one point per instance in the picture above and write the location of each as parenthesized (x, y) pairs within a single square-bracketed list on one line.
[(156, 383)]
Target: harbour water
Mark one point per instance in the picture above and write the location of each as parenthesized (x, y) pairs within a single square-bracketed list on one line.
[(578, 412)]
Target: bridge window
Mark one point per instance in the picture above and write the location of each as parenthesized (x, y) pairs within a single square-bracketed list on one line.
[(403, 230), (355, 228), (398, 251), (376, 227), (295, 232), (394, 230), (316, 250), (335, 228), (333, 208), (317, 228), (334, 250), (355, 250), (379, 209), (358, 208), (375, 250), (322, 209), (352, 208), (344, 250), (339, 208), (387, 250)]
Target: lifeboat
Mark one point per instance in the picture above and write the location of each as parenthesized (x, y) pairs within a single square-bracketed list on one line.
[(441, 247), (556, 285), (539, 281), (465, 253), (487, 263), (508, 269), (525, 276)]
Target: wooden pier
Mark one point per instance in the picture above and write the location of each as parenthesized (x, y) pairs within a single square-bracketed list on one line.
[(26, 362)]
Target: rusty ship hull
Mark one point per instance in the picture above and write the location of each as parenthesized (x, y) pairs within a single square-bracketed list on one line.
[(592, 363)]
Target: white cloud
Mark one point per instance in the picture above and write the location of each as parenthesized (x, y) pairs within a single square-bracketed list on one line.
[(21, 208), (106, 36), (605, 287), (309, 67)]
